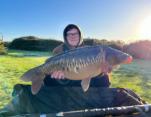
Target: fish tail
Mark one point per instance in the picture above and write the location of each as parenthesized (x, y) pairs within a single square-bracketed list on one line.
[(36, 76)]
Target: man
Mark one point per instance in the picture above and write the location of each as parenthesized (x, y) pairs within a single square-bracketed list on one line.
[(73, 39)]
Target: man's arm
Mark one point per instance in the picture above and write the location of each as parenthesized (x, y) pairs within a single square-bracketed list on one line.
[(58, 49)]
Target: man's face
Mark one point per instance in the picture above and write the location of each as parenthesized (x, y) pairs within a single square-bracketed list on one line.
[(73, 37)]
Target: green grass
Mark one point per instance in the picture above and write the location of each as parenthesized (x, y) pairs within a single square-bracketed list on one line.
[(135, 76), (12, 66)]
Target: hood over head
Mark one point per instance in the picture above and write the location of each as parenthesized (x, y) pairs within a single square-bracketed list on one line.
[(69, 27)]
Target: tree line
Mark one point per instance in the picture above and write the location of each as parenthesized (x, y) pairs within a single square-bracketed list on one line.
[(140, 49)]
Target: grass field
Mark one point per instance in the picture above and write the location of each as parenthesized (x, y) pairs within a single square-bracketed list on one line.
[(135, 76)]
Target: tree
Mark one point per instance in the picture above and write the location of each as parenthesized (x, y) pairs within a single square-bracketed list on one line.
[(2, 47)]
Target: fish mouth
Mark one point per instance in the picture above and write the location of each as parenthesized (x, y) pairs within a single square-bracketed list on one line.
[(128, 60)]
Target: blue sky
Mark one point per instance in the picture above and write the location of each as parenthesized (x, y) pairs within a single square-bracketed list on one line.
[(109, 19)]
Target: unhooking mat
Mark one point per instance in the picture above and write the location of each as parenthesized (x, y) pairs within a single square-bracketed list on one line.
[(62, 98)]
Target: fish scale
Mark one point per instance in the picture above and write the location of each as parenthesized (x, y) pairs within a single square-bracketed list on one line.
[(72, 62)]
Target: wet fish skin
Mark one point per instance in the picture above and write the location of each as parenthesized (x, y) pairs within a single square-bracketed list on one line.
[(81, 63)]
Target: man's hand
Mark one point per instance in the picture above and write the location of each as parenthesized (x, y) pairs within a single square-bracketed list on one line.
[(58, 75)]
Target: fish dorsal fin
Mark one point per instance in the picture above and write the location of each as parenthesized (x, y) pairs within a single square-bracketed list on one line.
[(85, 84), (36, 85)]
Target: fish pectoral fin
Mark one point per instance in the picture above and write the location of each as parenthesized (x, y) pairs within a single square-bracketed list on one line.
[(85, 84), (36, 85)]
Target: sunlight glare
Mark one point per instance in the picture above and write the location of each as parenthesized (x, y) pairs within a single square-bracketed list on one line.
[(145, 28)]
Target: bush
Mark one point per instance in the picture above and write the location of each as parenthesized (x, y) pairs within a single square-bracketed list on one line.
[(2, 48), (139, 49), (34, 43), (114, 44)]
